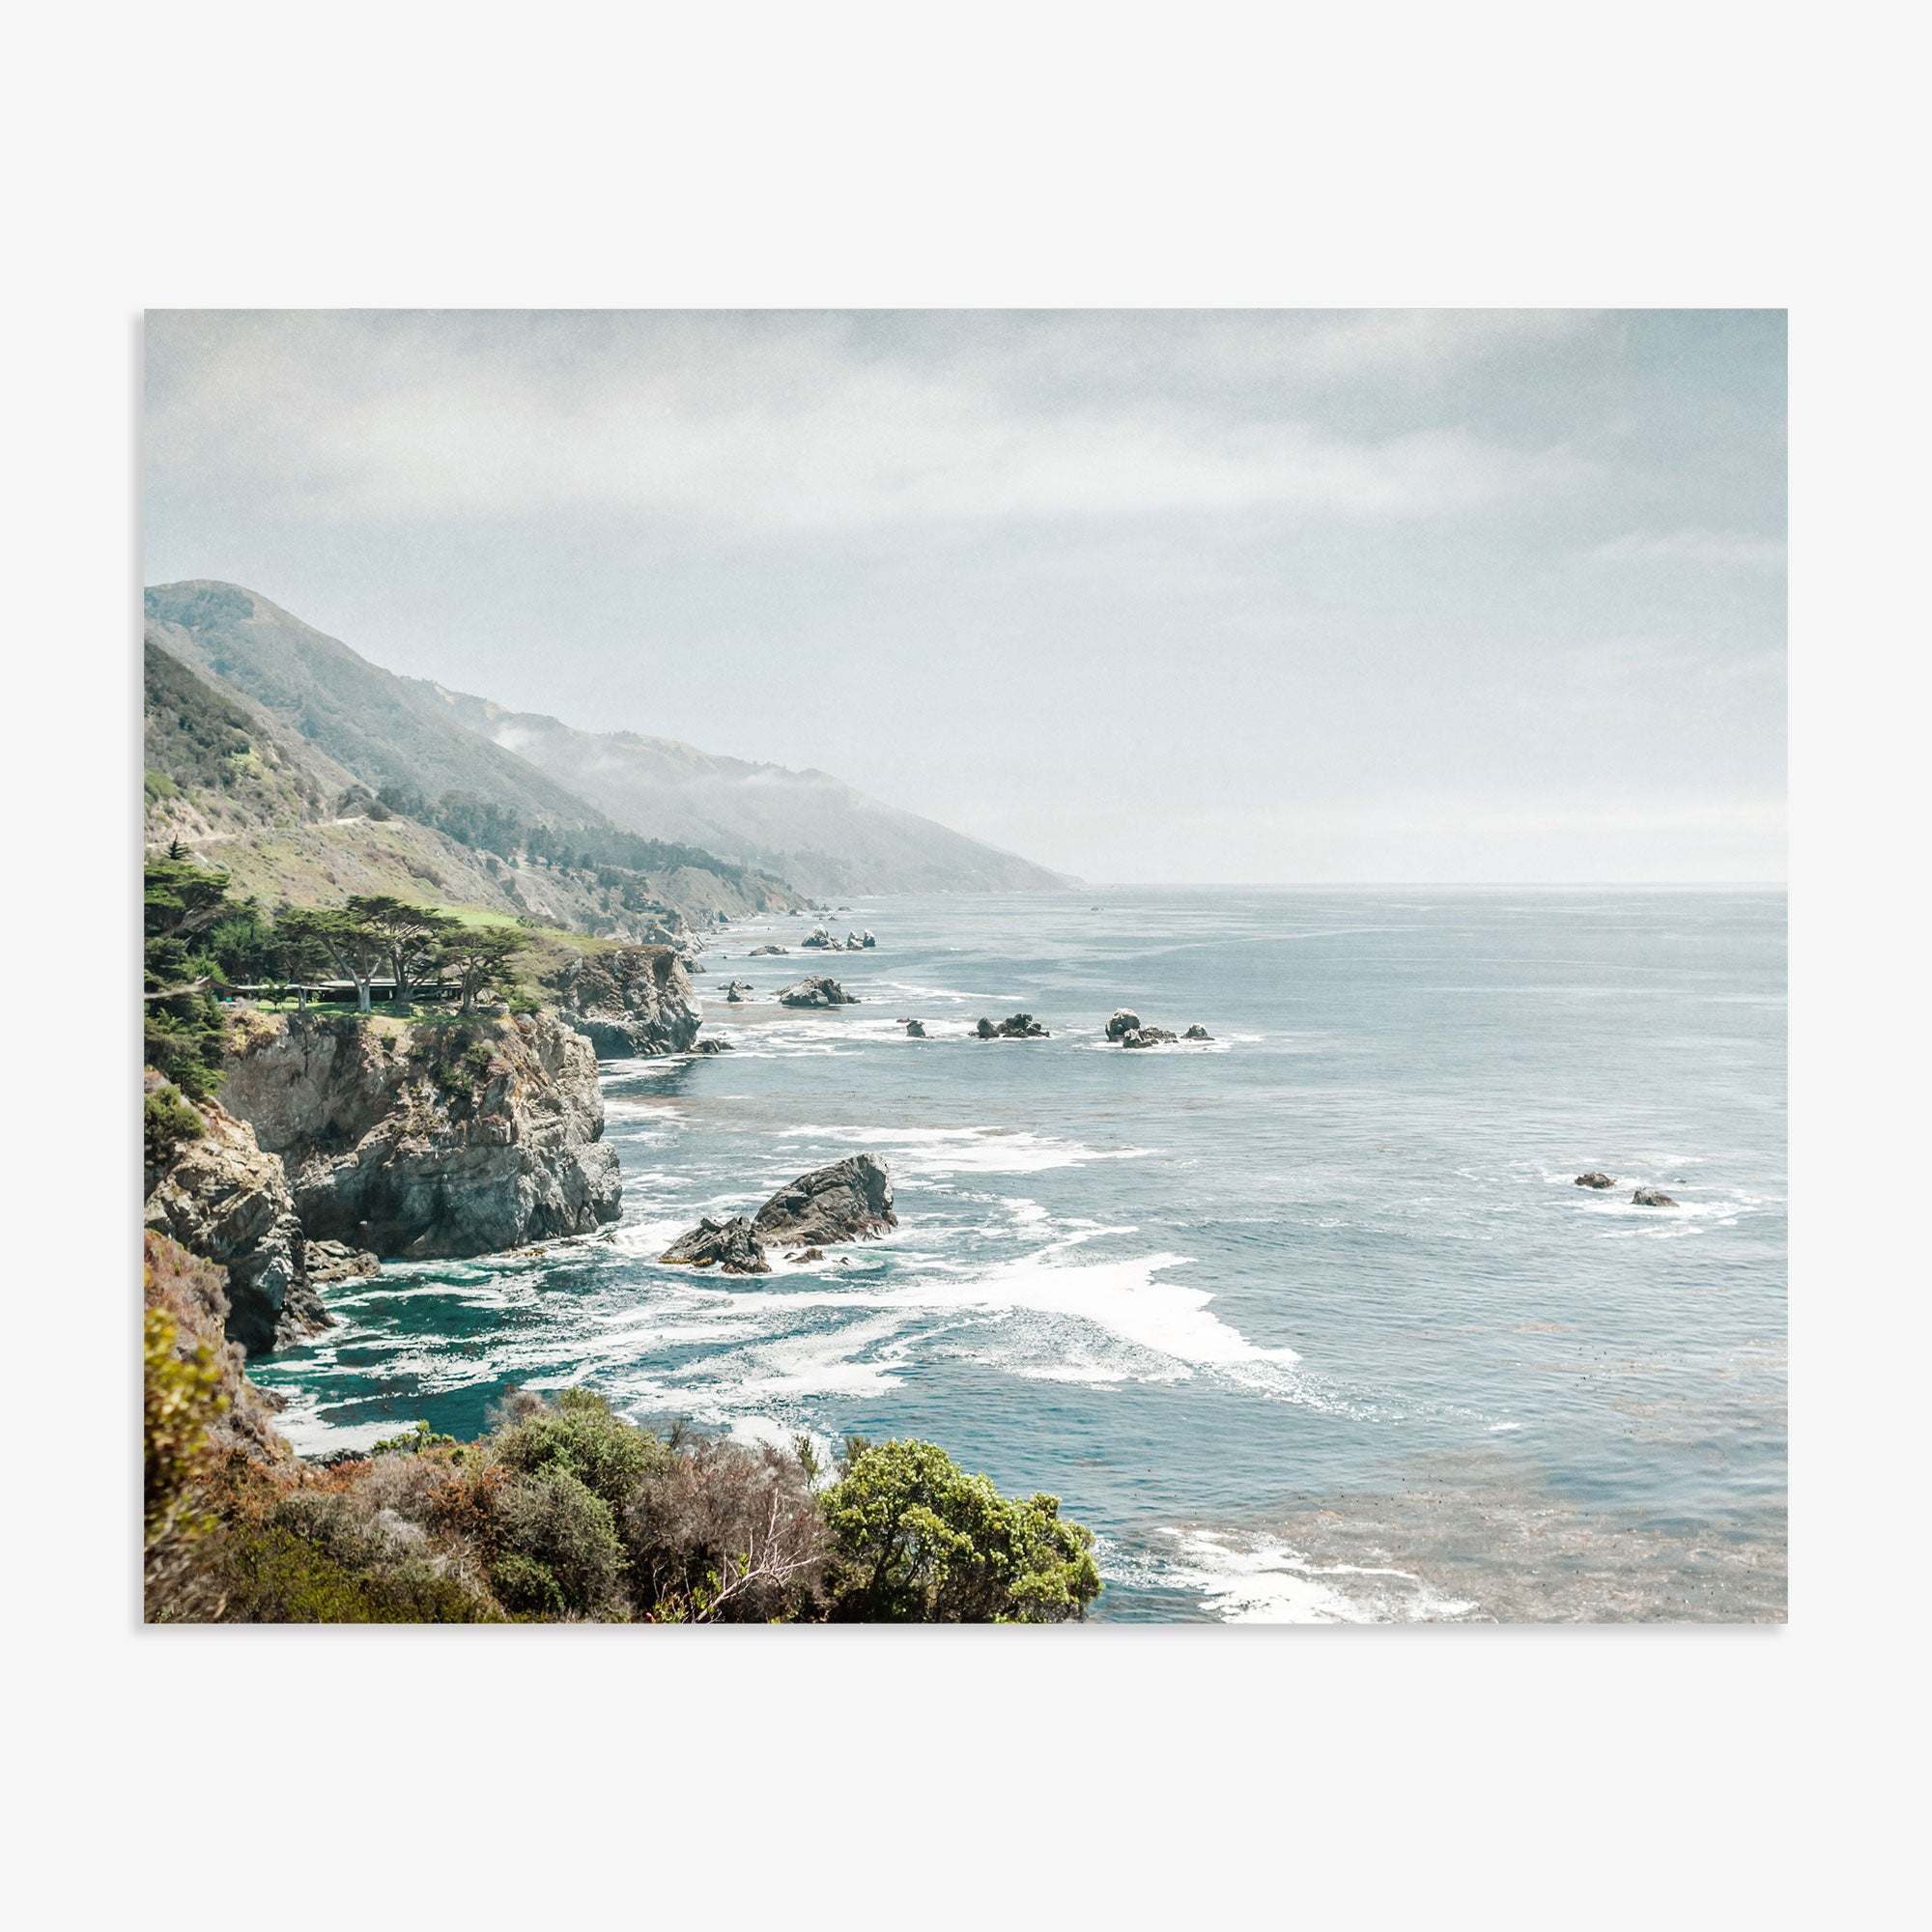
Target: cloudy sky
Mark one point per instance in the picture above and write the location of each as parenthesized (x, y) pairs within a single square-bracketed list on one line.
[(1175, 596)]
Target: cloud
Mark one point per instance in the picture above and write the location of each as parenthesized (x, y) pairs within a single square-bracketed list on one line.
[(806, 422), (1715, 550)]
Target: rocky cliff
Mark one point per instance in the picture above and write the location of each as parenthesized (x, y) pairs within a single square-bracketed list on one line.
[(191, 1292), (630, 1002), (225, 1200), (446, 1138)]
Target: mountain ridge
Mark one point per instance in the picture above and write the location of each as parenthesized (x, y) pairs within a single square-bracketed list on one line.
[(805, 826)]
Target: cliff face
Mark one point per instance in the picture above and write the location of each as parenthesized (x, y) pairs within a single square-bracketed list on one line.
[(191, 1293), (226, 1201), (629, 1004), (442, 1138)]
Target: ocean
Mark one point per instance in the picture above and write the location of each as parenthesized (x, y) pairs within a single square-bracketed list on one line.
[(1308, 1322)]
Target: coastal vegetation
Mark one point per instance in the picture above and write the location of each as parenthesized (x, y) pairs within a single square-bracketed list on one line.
[(380, 954), (561, 1512)]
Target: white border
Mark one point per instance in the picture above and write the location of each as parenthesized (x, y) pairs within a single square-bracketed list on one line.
[(1647, 155)]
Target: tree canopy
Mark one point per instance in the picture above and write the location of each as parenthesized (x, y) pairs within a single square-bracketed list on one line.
[(921, 1541)]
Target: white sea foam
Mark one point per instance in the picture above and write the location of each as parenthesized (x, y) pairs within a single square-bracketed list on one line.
[(1260, 1579), (934, 1153)]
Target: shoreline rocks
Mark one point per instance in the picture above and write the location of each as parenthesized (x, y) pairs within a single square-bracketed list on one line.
[(849, 1200), (226, 1200), (1653, 1196), (1019, 1026), (1126, 1028), (729, 1245), (631, 1004), (1596, 1178), (820, 990), (440, 1140)]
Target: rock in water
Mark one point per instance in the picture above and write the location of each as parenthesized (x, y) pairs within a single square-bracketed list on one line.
[(729, 1245), (766, 952), (820, 991), (712, 1046), (1595, 1178), (1122, 1023), (1147, 1037), (915, 1029), (337, 1261), (1653, 1196), (1197, 1033), (849, 1200), (1019, 1026), (866, 938)]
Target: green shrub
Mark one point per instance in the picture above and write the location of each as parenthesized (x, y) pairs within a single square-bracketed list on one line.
[(272, 1574), (525, 1587), (555, 1523), (917, 1540), (182, 1397), (413, 1443), (167, 1122), (581, 1436)]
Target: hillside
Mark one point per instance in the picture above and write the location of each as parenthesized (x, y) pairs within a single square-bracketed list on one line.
[(372, 723), (227, 782), (820, 834), (421, 744)]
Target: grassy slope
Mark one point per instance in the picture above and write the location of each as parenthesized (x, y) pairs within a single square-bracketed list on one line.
[(246, 794)]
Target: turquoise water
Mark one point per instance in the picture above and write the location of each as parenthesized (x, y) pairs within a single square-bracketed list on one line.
[(1308, 1322)]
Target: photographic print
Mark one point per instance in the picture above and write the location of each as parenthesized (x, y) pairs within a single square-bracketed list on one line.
[(981, 966)]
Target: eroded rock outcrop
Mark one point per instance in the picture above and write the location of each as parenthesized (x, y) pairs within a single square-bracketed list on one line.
[(1595, 1178), (729, 1245), (631, 1004), (191, 1293), (819, 991), (849, 1200), (226, 1200), (1125, 1028), (447, 1138), (1653, 1196), (1018, 1026)]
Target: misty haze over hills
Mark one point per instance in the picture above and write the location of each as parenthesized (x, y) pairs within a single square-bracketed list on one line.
[(1184, 596), (809, 828)]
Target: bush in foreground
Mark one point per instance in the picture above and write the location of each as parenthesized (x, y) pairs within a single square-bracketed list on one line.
[(563, 1511)]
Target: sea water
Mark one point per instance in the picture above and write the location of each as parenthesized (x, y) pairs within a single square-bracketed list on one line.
[(1308, 1322)]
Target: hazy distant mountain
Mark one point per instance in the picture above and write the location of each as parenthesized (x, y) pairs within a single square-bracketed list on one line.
[(369, 721), (807, 826), (264, 743)]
